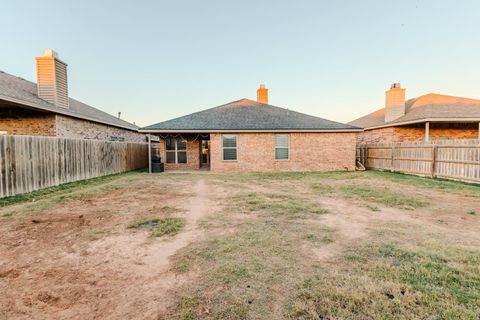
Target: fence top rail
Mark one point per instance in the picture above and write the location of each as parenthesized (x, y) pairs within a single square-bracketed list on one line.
[(425, 144), (466, 146), (429, 146), (19, 136)]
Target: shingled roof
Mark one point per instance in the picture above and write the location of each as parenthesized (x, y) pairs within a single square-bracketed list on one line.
[(248, 115), (18, 90), (429, 107)]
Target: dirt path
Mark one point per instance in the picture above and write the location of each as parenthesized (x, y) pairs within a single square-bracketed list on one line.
[(153, 260), (198, 207)]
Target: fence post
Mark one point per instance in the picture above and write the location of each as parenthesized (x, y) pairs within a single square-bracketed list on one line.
[(366, 157), (362, 155), (392, 166), (434, 160), (149, 153)]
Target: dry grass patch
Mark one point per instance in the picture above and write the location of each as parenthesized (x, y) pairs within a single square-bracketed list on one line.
[(437, 184), (158, 226), (170, 210), (276, 204), (383, 196), (322, 188), (395, 282), (248, 272), (265, 178), (69, 191), (322, 234)]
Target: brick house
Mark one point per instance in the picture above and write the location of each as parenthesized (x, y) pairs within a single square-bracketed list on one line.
[(247, 135), (428, 117), (45, 108)]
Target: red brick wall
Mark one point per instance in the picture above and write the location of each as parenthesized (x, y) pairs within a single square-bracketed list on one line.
[(26, 122), (68, 127), (465, 133), (376, 135), (308, 152), (417, 133), (20, 121)]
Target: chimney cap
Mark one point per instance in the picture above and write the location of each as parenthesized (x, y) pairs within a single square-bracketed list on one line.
[(262, 86), (50, 53), (395, 85)]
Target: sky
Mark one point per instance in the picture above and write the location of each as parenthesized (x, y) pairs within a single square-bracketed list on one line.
[(157, 60)]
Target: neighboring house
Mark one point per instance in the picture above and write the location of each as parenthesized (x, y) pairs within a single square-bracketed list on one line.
[(46, 109), (248, 135), (428, 117)]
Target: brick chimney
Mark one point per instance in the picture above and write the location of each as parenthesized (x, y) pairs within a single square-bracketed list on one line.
[(52, 83), (394, 102), (262, 94)]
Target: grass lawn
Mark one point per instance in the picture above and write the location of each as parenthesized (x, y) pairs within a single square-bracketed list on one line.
[(342, 245)]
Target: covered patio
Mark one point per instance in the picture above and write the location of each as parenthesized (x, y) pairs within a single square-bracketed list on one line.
[(451, 130), (183, 151)]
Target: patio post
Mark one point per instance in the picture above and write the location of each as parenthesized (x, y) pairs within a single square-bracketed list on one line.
[(427, 131)]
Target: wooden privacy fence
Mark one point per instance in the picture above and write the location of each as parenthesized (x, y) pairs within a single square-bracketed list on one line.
[(450, 159), (29, 163)]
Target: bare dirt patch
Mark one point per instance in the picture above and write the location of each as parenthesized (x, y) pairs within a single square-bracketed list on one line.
[(79, 260)]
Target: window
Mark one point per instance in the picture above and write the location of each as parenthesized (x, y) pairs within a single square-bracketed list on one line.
[(281, 147), (229, 147), (176, 150)]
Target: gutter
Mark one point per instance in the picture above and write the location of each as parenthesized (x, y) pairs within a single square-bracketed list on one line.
[(424, 120), (246, 131)]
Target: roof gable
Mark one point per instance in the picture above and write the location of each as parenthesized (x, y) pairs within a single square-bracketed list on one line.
[(248, 115)]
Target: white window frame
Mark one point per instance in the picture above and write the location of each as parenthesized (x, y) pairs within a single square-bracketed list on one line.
[(236, 147), (275, 146), (176, 150)]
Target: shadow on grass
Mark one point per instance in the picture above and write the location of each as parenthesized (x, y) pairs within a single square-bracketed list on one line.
[(63, 188), (425, 182)]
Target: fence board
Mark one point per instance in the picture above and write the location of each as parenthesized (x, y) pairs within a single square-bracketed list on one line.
[(450, 159), (29, 163)]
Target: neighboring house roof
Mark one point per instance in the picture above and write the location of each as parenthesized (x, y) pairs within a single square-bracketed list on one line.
[(429, 107), (24, 92), (248, 115)]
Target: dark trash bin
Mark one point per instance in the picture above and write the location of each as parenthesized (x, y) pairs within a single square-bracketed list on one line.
[(157, 167)]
